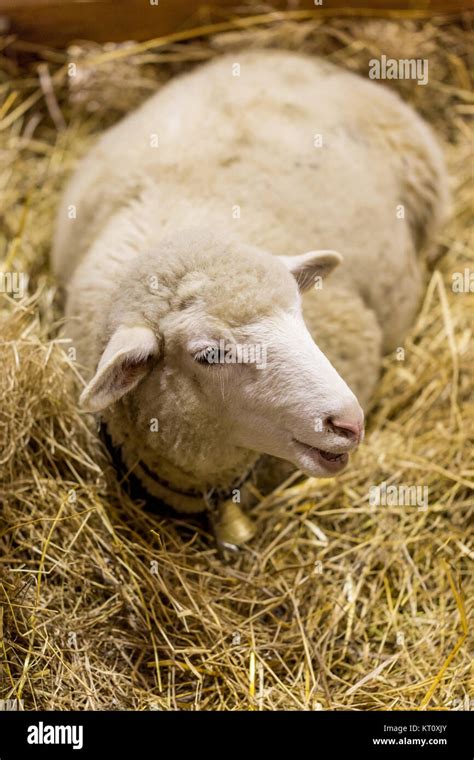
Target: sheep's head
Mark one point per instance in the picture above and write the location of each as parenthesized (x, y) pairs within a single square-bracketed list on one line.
[(206, 352)]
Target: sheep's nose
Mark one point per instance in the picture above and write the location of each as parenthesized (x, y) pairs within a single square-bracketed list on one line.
[(349, 424)]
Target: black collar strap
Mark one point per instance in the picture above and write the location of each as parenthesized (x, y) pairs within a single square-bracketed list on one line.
[(142, 480)]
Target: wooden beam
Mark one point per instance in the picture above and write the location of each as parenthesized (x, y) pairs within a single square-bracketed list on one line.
[(59, 22)]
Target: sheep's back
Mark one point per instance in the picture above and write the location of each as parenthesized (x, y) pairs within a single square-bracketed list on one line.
[(291, 154)]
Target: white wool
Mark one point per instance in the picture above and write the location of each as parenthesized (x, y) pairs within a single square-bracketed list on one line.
[(290, 156)]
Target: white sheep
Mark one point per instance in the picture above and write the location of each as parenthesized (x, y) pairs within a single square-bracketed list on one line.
[(182, 235)]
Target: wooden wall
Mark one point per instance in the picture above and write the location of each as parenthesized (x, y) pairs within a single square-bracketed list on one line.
[(58, 22)]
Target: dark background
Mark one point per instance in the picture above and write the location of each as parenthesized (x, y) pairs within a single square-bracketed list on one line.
[(58, 22)]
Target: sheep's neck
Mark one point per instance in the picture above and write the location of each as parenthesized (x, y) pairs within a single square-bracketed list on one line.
[(166, 481)]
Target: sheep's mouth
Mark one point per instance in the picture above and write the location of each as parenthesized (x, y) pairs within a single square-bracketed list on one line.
[(331, 461), (331, 456)]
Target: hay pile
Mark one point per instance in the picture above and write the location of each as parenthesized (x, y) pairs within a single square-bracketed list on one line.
[(338, 603)]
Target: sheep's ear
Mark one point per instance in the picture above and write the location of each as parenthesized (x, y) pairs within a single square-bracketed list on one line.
[(125, 361), (306, 267)]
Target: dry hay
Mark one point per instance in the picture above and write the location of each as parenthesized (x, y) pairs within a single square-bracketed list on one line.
[(338, 603)]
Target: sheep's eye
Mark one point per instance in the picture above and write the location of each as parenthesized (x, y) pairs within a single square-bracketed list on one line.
[(206, 356)]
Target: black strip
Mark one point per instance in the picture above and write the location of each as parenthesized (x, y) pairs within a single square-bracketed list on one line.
[(375, 734)]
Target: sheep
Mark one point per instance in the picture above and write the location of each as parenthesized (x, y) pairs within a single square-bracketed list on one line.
[(214, 215)]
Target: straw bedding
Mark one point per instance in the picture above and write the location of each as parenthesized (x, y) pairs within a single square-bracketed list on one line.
[(338, 603)]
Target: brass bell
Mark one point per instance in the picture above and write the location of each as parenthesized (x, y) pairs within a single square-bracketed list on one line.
[(232, 526)]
